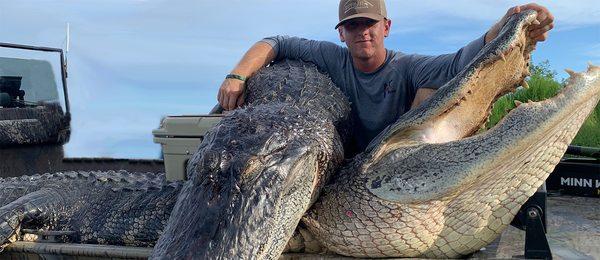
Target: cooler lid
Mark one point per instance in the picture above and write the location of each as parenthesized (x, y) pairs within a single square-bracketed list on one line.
[(186, 126)]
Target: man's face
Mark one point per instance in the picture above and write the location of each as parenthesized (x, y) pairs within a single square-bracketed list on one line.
[(364, 36)]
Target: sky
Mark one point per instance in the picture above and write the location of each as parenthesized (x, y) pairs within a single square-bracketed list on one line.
[(132, 62)]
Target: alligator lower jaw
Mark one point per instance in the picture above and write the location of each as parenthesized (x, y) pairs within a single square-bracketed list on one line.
[(474, 102)]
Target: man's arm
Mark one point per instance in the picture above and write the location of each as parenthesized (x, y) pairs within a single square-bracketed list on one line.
[(325, 55), (537, 32), (231, 92), (422, 95)]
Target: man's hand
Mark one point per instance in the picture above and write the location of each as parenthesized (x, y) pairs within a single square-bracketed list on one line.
[(537, 32), (231, 94)]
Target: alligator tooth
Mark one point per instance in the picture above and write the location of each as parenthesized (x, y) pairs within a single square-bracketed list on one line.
[(518, 103), (536, 22), (482, 127), (571, 72), (520, 46), (524, 84), (501, 54)]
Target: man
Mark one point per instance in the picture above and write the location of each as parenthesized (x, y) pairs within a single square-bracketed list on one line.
[(381, 84)]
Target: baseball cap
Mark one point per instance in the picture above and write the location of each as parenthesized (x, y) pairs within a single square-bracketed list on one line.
[(372, 9)]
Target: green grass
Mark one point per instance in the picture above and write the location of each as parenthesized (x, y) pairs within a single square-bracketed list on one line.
[(543, 85), (589, 134)]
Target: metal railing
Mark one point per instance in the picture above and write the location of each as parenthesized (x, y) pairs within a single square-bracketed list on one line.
[(63, 66)]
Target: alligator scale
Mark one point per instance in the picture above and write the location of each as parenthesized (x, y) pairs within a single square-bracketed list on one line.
[(429, 185)]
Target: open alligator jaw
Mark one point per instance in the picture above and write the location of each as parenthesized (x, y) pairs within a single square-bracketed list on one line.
[(462, 106), (533, 133), (451, 199)]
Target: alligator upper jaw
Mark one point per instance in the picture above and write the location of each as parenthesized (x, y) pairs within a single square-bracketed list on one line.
[(534, 133), (238, 212), (461, 107)]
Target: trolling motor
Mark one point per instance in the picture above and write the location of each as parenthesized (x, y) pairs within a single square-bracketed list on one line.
[(11, 94)]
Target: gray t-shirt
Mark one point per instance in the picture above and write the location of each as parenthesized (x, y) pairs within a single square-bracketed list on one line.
[(377, 98)]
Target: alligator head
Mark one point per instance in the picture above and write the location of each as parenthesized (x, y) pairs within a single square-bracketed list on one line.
[(430, 186)]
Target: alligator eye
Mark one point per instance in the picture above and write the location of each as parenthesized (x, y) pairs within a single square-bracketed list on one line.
[(274, 144)]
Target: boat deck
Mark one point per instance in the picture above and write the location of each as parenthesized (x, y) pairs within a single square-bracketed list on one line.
[(573, 233), (573, 225)]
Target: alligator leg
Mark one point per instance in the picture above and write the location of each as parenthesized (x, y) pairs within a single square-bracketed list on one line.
[(39, 207), (117, 208)]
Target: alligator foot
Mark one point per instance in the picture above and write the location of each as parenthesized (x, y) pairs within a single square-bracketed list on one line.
[(117, 208), (35, 207)]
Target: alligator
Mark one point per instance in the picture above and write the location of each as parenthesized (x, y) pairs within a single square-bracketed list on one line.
[(430, 185)]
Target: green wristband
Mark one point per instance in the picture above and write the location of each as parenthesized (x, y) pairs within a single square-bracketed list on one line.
[(236, 76)]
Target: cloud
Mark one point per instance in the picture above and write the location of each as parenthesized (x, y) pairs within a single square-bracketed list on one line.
[(594, 51), (453, 23), (133, 61), (594, 54), (567, 13)]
